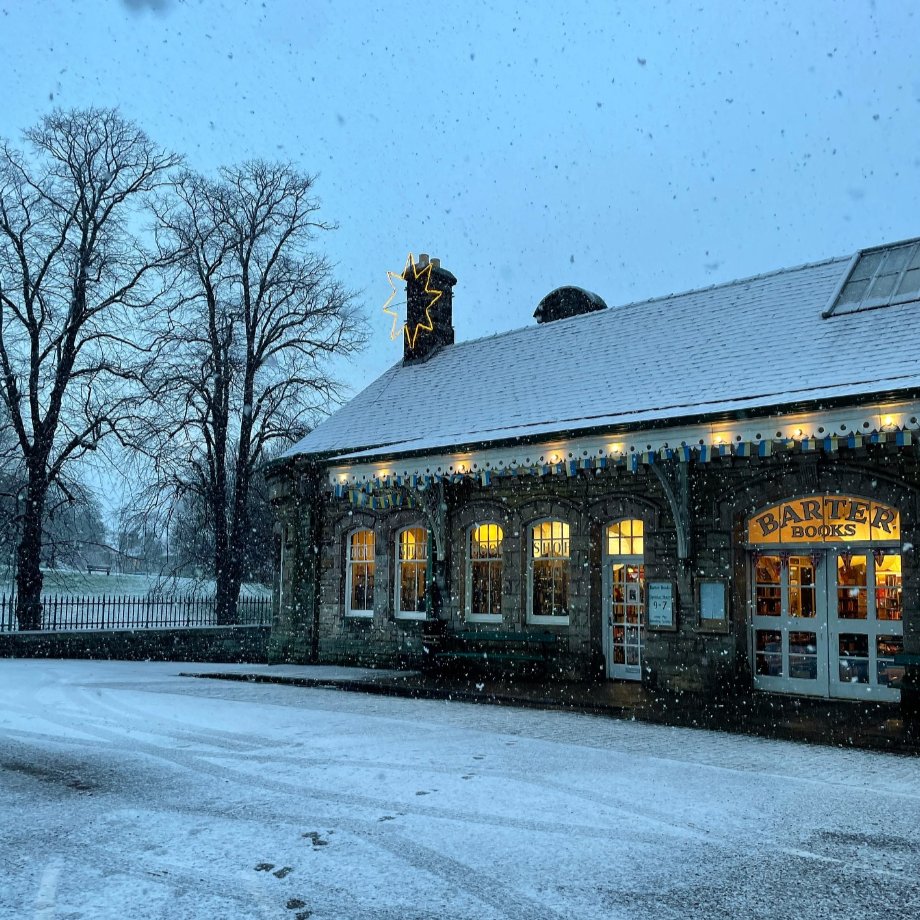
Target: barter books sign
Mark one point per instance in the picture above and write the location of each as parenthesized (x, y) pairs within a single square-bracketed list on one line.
[(825, 519)]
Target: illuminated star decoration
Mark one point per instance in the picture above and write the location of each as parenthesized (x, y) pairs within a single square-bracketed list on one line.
[(435, 295)]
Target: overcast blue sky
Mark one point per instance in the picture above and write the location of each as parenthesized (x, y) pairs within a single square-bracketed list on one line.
[(634, 149)]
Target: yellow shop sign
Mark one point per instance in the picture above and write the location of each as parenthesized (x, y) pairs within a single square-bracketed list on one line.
[(825, 519)]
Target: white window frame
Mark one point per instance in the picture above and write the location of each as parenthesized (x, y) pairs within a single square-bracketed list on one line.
[(468, 612), (399, 613), (349, 563), (542, 619)]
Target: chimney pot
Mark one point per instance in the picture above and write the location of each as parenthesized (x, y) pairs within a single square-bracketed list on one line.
[(435, 263), (422, 259)]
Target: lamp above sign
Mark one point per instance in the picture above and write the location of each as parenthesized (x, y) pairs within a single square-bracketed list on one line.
[(825, 519)]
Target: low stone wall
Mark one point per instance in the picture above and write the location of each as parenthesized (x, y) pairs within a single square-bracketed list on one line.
[(210, 643)]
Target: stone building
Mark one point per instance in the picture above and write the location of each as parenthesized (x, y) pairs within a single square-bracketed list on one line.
[(700, 491)]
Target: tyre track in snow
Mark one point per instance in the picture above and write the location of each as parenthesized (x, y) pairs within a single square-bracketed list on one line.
[(195, 763), (514, 905), (889, 774)]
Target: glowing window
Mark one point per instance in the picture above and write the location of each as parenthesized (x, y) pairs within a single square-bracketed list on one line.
[(359, 575), (625, 538), (411, 573), (484, 573), (549, 573)]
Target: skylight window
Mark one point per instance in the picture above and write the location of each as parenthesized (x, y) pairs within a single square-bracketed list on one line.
[(880, 278)]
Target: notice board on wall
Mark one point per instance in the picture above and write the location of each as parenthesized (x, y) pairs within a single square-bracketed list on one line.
[(712, 603), (661, 605)]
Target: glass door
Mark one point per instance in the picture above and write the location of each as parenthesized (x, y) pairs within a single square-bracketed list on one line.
[(866, 626), (625, 614), (789, 623)]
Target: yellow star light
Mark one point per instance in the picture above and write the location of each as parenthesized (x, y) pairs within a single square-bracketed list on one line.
[(435, 295)]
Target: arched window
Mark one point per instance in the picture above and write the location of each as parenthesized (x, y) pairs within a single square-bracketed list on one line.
[(411, 573), (484, 574), (548, 582), (624, 580), (359, 574)]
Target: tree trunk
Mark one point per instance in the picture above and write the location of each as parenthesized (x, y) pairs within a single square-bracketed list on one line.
[(28, 559), (225, 598)]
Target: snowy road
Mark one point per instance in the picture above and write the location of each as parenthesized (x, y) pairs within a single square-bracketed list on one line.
[(129, 792)]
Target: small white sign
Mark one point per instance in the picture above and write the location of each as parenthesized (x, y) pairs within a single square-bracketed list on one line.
[(661, 605)]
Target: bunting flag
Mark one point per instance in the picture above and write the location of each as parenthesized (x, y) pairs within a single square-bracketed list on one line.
[(392, 490)]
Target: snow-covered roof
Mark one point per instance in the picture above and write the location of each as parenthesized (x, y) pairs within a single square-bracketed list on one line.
[(742, 346)]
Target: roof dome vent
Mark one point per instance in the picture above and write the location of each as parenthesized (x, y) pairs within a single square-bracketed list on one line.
[(565, 302)]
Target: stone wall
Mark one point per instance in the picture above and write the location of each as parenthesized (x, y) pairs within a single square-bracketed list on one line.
[(211, 643), (722, 494)]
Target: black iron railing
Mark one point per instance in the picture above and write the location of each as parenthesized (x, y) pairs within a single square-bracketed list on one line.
[(68, 612)]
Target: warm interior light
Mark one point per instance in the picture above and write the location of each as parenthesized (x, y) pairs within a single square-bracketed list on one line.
[(798, 432), (616, 448), (889, 421), (719, 439)]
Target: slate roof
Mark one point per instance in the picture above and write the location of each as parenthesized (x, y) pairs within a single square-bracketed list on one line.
[(738, 347)]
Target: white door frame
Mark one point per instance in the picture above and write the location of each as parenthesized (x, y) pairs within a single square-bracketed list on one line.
[(622, 671), (827, 625)]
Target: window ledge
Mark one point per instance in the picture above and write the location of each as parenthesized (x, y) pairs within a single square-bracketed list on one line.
[(359, 614), (548, 621), (483, 618), (410, 615)]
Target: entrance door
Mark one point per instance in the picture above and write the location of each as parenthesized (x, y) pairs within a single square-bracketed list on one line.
[(866, 629), (790, 623), (625, 620), (624, 599), (828, 623)]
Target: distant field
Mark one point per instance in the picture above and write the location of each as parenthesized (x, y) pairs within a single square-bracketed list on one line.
[(70, 582)]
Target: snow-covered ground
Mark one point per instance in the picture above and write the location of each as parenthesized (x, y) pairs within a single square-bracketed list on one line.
[(78, 582), (128, 791)]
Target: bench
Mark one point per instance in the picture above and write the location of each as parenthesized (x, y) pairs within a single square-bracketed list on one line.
[(485, 648), (90, 569)]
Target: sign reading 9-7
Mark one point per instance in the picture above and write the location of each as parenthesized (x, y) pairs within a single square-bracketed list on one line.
[(825, 519)]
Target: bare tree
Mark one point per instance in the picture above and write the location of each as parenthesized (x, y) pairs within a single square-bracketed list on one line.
[(74, 297), (249, 342)]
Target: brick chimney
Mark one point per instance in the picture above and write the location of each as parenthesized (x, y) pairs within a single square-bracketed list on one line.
[(419, 342)]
